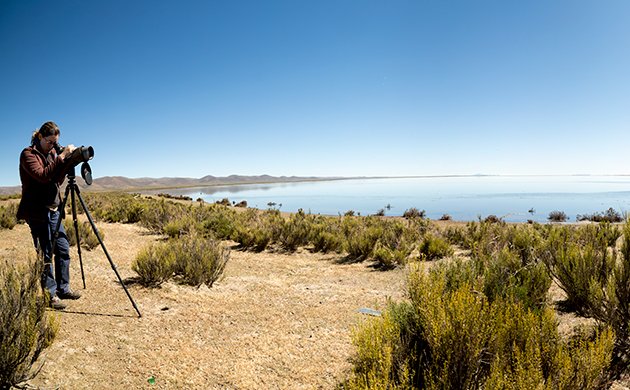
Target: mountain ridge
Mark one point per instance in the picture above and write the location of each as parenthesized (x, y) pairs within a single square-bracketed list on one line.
[(122, 183)]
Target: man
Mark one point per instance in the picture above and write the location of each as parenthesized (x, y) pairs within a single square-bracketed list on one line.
[(42, 171)]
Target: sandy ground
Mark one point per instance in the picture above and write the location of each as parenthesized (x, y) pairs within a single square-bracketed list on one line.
[(274, 321)]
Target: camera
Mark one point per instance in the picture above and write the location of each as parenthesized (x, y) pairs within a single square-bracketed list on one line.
[(80, 154)]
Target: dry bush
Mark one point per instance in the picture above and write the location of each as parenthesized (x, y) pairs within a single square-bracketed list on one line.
[(326, 234), (154, 264), (295, 231), (610, 215), (414, 213), (115, 206), (254, 230), (8, 218), (580, 261), (87, 235), (199, 260), (25, 328), (434, 247), (457, 339), (216, 220), (195, 260), (557, 216)]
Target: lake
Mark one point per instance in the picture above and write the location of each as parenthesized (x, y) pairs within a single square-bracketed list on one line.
[(464, 198)]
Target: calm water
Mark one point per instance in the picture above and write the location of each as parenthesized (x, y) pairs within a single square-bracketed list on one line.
[(463, 198)]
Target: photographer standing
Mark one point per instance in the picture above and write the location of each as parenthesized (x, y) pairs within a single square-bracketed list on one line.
[(42, 171)]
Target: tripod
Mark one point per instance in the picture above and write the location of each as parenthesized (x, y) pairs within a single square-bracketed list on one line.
[(71, 189)]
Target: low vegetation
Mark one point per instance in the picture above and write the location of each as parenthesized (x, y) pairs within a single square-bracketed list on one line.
[(449, 336), (87, 236), (557, 216), (26, 328), (479, 317), (192, 259), (8, 213), (610, 215)]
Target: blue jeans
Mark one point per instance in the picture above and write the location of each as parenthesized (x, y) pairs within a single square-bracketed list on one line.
[(43, 232)]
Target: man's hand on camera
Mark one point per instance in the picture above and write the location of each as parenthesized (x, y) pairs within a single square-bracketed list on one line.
[(67, 151)]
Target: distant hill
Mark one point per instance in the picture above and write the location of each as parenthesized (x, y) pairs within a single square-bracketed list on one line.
[(121, 183)]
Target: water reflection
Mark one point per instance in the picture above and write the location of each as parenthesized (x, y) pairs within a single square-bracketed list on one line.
[(464, 198)]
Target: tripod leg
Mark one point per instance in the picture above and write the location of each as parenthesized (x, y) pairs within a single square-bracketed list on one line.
[(111, 262), (76, 231)]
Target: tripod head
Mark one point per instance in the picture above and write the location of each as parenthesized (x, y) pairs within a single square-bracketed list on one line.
[(86, 173)]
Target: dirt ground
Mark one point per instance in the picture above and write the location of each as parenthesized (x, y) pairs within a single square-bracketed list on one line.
[(275, 321)]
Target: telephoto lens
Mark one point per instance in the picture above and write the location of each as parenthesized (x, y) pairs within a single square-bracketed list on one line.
[(81, 154)]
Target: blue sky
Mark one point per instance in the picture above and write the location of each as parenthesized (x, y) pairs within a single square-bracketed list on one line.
[(320, 88)]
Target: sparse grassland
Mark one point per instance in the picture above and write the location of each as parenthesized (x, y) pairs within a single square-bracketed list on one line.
[(477, 311)]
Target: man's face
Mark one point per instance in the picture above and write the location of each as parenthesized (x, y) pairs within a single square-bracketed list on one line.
[(47, 143)]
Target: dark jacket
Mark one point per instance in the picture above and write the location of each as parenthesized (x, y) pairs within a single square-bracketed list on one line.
[(41, 178)]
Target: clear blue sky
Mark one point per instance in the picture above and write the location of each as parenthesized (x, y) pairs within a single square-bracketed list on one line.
[(324, 88)]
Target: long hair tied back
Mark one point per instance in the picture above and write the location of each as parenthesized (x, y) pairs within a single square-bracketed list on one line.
[(47, 129)]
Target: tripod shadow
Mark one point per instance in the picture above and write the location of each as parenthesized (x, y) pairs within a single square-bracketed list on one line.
[(86, 313)]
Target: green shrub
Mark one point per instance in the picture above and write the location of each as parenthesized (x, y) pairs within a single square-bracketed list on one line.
[(360, 242), (434, 247), (456, 235), (199, 260), (457, 339), (115, 207), (326, 235), (8, 218), (16, 195), (160, 213), (389, 258), (195, 260), (295, 231), (155, 264), (254, 230), (217, 220), (395, 244), (611, 304), (506, 277), (86, 234), (25, 328), (581, 262), (179, 226)]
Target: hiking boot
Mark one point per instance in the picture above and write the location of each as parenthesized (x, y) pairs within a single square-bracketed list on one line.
[(69, 295), (56, 303)]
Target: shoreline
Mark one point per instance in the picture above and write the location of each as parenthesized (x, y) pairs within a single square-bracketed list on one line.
[(9, 190)]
